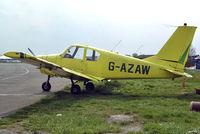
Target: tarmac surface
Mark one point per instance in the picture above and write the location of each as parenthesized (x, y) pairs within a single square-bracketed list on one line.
[(20, 86)]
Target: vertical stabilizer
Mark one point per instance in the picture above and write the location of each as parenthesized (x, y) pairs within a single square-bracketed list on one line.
[(175, 51)]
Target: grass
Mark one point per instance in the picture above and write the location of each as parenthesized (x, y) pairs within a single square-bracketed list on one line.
[(158, 105)]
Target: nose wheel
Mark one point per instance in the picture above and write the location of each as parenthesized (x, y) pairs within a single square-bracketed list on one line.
[(46, 86)]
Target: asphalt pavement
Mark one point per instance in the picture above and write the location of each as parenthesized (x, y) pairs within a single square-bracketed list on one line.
[(20, 86)]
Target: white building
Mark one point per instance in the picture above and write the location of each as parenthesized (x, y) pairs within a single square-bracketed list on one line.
[(5, 59)]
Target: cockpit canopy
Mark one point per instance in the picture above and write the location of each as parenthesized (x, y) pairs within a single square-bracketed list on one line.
[(78, 52)]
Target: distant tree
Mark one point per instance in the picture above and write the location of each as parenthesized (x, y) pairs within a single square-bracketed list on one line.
[(192, 51), (190, 60), (134, 54), (128, 55), (142, 56)]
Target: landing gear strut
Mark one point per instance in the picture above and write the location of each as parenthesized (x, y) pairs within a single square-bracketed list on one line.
[(75, 89), (46, 86)]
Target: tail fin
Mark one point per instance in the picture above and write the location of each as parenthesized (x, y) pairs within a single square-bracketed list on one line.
[(175, 51)]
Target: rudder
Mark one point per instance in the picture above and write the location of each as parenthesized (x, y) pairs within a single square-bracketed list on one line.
[(175, 51)]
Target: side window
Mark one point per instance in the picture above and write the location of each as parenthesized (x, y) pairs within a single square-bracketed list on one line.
[(70, 52), (79, 53), (75, 53), (92, 55), (89, 54)]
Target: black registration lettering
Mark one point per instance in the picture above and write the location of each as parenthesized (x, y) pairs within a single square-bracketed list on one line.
[(130, 67), (137, 70), (111, 66), (123, 68), (140, 69), (145, 69)]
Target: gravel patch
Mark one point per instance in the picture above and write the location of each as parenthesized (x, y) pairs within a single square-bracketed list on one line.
[(131, 127), (119, 118)]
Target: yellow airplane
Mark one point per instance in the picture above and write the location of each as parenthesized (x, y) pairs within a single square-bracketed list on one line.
[(85, 63)]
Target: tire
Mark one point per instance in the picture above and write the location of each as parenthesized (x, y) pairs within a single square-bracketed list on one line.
[(89, 86), (46, 87), (75, 89)]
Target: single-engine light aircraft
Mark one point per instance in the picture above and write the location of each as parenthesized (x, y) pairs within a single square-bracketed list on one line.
[(86, 64)]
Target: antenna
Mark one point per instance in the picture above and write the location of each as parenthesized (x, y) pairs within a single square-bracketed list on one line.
[(116, 45), (167, 25), (137, 50)]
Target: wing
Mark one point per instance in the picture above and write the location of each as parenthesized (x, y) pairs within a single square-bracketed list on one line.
[(55, 68)]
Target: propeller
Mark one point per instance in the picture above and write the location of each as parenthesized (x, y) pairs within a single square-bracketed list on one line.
[(31, 52)]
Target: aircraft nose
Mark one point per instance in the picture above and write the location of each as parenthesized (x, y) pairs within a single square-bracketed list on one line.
[(12, 54)]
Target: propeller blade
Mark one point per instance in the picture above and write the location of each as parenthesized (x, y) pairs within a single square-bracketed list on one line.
[(31, 51)]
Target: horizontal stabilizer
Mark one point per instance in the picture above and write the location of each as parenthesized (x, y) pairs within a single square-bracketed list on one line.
[(188, 75), (179, 73)]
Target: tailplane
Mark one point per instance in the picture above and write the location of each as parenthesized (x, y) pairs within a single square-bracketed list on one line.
[(174, 53)]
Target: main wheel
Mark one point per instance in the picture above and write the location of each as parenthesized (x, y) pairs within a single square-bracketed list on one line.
[(75, 89), (46, 86), (89, 86)]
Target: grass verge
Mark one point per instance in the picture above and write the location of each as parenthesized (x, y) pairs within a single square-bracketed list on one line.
[(161, 106)]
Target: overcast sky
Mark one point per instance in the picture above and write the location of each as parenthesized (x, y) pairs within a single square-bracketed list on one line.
[(50, 26)]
